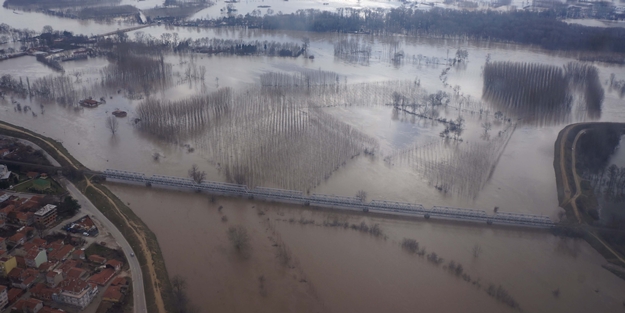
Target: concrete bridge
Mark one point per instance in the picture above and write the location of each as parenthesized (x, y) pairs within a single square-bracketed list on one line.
[(335, 202)]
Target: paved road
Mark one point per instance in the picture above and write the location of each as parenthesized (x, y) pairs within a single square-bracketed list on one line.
[(135, 268)]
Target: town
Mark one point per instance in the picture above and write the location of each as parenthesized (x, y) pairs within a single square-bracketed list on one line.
[(53, 256)]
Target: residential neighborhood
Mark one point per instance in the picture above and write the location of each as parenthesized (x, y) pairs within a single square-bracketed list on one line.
[(47, 265)]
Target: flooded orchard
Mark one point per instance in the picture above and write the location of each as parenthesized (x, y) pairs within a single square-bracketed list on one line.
[(404, 119)]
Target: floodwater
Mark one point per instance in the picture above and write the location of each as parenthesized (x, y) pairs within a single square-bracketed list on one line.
[(343, 270), (36, 21)]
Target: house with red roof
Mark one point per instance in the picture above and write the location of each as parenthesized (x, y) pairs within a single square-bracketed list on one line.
[(14, 294), (77, 273), (4, 212), (35, 257), (97, 259), (47, 309), (114, 264), (43, 292), (61, 254), (78, 254), (23, 278), (113, 294), (16, 240), (25, 218), (29, 305), (102, 277), (54, 277), (76, 292), (119, 281)]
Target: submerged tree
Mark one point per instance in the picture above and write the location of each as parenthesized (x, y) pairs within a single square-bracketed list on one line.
[(197, 175), (111, 124), (239, 238)]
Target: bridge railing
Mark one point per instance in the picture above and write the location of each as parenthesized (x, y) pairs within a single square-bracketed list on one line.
[(337, 201)]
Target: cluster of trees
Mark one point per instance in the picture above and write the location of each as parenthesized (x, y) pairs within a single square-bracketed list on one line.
[(586, 78), (260, 136), (136, 72), (595, 147), (55, 3), (542, 93), (57, 88), (178, 121), (536, 28), (451, 168), (617, 85), (530, 89), (353, 50), (306, 78), (240, 47)]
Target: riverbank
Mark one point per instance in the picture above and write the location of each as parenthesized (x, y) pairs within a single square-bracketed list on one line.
[(574, 197), (141, 239)]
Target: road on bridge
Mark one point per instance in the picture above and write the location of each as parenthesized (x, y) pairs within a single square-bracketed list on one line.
[(135, 268)]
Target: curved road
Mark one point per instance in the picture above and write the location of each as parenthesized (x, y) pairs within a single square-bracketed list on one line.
[(135, 268)]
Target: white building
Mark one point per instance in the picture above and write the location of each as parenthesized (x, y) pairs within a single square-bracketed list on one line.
[(4, 172), (76, 292), (4, 297)]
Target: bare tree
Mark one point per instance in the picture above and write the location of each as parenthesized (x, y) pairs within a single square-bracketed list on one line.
[(180, 297), (487, 127), (197, 175), (477, 250), (361, 195), (111, 124), (239, 238)]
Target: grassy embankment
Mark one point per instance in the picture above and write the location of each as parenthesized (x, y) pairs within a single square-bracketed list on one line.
[(578, 198), (122, 216)]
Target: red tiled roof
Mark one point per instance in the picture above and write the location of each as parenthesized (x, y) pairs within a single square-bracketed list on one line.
[(32, 303), (60, 253), (69, 264), (42, 291), (113, 293), (102, 277), (39, 242), (97, 259), (55, 245), (19, 305), (25, 230), (114, 263), (46, 266), (75, 272), (32, 254), (27, 246), (46, 309), (14, 293), (15, 273), (8, 209), (17, 237), (119, 281), (20, 261)]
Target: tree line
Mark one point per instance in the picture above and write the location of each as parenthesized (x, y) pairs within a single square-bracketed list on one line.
[(543, 29)]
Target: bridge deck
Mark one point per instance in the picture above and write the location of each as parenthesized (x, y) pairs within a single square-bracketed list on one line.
[(339, 202)]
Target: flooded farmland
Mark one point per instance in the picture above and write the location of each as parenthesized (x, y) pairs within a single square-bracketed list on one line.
[(339, 123)]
